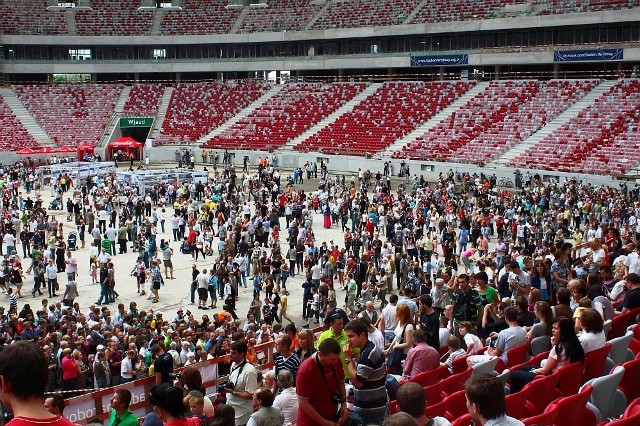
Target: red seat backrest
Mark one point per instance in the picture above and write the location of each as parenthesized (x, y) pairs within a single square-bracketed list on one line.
[(518, 354), (594, 362), (572, 409), (570, 378)]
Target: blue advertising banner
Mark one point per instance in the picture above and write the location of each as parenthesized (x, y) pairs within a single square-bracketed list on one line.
[(442, 60), (588, 55)]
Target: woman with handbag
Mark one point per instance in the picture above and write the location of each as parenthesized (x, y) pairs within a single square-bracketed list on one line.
[(402, 342)]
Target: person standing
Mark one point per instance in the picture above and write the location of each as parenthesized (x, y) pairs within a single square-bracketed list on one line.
[(367, 373), (51, 272), (244, 377), (320, 388), (467, 304), (266, 415), (287, 400), (127, 367), (285, 359), (120, 414)]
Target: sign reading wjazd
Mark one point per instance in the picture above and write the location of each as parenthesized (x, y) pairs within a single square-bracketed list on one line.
[(440, 60), (136, 122), (588, 55)]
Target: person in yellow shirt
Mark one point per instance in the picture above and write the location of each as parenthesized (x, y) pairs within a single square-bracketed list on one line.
[(336, 331)]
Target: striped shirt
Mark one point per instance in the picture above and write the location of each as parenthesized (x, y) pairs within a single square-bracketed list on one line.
[(371, 371), (292, 363)]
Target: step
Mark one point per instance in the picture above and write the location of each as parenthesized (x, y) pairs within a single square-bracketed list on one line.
[(319, 14), (555, 124), (242, 114), (118, 109), (162, 112), (24, 116), (239, 20), (71, 21), (157, 19), (433, 121), (331, 118), (415, 12)]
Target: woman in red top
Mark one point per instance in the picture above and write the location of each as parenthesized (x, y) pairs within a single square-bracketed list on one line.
[(69, 371)]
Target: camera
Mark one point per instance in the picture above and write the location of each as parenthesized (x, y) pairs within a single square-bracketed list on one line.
[(226, 386), (188, 313), (175, 376)]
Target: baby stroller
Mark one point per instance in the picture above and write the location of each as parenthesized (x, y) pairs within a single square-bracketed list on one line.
[(55, 204), (72, 240)]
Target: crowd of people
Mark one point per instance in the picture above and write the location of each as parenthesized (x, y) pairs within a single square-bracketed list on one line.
[(487, 267)]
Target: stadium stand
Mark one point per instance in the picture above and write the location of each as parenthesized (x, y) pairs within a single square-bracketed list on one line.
[(286, 115), (364, 13), (30, 17), (196, 108), (279, 15), (71, 114), (114, 18), (388, 114), (603, 138), (559, 7), (199, 17), (13, 135), (457, 10), (144, 100), (495, 120)]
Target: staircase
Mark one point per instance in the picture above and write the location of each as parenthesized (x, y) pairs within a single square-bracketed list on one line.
[(239, 20), (71, 21), (162, 112), (157, 19), (433, 122), (27, 120), (318, 15), (117, 113), (242, 114), (555, 124), (415, 12), (331, 118)]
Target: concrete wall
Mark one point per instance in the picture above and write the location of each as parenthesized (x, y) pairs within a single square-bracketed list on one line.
[(381, 61)]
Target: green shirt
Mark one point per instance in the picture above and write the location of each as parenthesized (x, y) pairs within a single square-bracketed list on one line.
[(342, 340), (126, 419)]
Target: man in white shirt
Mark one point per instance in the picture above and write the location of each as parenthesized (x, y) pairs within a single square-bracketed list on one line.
[(287, 400), (9, 242), (127, 369), (388, 322), (632, 262)]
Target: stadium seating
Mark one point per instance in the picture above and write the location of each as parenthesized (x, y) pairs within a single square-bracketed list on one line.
[(121, 17), (286, 115), (495, 120), (196, 108), (388, 114), (71, 114), (457, 10), (199, 17), (603, 138), (114, 18), (144, 100), (30, 17), (364, 13), (13, 135), (279, 15)]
